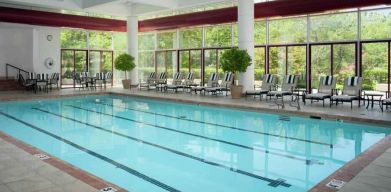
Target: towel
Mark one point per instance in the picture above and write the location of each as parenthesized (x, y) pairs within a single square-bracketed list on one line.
[(290, 79), (352, 81), (190, 76), (327, 80), (268, 78)]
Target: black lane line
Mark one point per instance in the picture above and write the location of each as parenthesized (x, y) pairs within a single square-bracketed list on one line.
[(307, 161), (219, 125), (97, 155), (169, 149)]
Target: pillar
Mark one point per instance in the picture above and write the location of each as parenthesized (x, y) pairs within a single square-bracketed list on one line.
[(246, 40), (132, 42)]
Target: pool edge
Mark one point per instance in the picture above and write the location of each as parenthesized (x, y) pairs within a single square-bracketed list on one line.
[(63, 166)]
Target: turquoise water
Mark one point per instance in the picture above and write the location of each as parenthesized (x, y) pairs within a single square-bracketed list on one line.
[(148, 145)]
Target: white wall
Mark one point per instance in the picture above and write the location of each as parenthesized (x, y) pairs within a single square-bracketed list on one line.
[(27, 47)]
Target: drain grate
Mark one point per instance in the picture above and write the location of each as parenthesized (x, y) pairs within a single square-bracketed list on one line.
[(284, 118), (336, 184), (182, 117), (108, 189), (313, 161), (276, 182), (41, 156)]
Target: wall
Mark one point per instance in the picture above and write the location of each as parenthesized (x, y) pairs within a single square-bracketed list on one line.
[(27, 47)]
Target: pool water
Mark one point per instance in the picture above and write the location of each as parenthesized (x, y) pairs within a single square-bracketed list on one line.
[(150, 145)]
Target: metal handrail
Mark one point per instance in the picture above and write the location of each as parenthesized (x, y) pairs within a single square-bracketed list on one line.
[(19, 70)]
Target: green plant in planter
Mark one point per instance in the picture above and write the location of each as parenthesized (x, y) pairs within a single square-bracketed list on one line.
[(235, 60), (124, 62)]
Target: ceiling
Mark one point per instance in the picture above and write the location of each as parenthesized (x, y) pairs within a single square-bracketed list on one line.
[(111, 7)]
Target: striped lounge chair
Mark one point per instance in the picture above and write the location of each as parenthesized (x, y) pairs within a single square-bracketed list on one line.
[(326, 89), (268, 84), (212, 82), (176, 82), (150, 81), (289, 84), (224, 86), (351, 91)]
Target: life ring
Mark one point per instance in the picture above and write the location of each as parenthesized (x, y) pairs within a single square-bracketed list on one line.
[(49, 63)]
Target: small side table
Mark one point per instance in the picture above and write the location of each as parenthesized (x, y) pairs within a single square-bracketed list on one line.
[(370, 97)]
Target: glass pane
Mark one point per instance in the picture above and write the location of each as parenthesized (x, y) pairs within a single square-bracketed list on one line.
[(376, 24), (260, 32), (210, 63), (76, 39), (166, 40), (81, 61), (94, 65), (66, 67), (120, 41), (320, 63), (277, 60), (184, 65), (235, 34), (146, 64), (334, 27), (100, 40), (196, 65), (218, 36), (375, 66), (344, 62), (292, 30), (190, 38), (220, 71), (297, 63), (107, 62), (259, 64), (166, 62), (146, 41)]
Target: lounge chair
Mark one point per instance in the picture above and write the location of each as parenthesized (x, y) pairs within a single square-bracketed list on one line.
[(54, 79), (224, 86), (188, 82), (161, 81), (176, 82), (351, 91), (268, 84), (108, 78), (100, 79), (29, 84), (326, 89), (385, 102), (150, 81), (43, 82), (212, 82), (78, 80), (287, 88)]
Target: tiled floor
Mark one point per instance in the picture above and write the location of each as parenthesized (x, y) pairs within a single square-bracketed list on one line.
[(21, 171), (374, 177)]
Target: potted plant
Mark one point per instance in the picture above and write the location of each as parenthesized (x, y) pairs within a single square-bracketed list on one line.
[(125, 62), (236, 61)]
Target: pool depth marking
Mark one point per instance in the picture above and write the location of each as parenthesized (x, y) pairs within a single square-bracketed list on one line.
[(307, 161), (271, 181), (219, 125), (97, 155)]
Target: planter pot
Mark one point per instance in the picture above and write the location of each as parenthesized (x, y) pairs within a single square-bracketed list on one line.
[(236, 91), (126, 83)]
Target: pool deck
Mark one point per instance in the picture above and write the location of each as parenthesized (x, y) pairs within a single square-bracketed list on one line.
[(371, 171)]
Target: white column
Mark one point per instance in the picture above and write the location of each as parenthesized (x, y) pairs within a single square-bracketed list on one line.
[(132, 42), (246, 39)]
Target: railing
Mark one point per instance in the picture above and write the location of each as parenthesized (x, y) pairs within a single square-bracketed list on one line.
[(19, 71)]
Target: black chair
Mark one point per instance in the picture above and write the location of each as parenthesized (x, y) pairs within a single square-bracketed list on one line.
[(28, 84)]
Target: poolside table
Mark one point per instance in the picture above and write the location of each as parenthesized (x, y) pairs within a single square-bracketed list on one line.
[(370, 97)]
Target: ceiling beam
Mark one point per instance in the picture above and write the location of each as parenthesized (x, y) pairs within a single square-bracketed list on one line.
[(92, 3), (170, 4)]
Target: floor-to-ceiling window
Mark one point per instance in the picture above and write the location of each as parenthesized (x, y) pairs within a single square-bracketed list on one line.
[(82, 50), (342, 43)]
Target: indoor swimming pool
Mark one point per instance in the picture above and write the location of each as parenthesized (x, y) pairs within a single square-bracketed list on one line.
[(152, 145)]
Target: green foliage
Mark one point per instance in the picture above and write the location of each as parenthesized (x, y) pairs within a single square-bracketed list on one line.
[(374, 77), (124, 62), (235, 60)]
